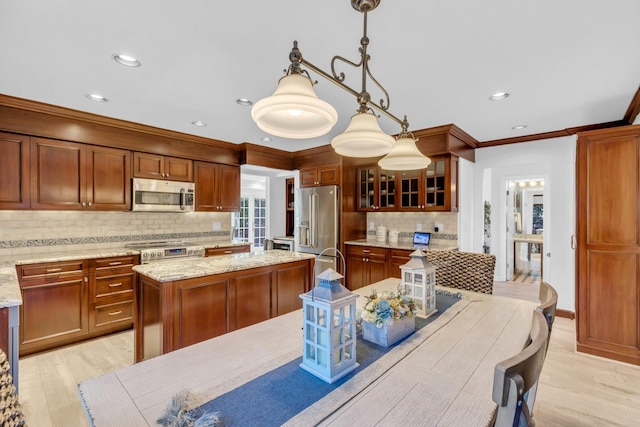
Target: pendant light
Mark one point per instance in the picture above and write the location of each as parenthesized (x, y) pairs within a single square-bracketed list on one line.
[(294, 110), (404, 155)]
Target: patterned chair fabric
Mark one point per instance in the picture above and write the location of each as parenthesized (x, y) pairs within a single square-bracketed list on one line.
[(10, 410), (464, 270)]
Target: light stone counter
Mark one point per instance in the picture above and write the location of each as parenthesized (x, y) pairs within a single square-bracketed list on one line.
[(167, 271), (440, 245)]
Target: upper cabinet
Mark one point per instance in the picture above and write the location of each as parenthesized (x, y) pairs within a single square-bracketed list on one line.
[(14, 171), (321, 175), (431, 189), (155, 166), (217, 187), (70, 176)]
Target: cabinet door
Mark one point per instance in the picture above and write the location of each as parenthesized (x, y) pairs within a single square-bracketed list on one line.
[(201, 309), (328, 175), (439, 184), (147, 165), (377, 267), (108, 178), (206, 181), (53, 312), (398, 257), (291, 281), (177, 169), (58, 177), (308, 177), (228, 188), (411, 190), (14, 171), (250, 301), (367, 189)]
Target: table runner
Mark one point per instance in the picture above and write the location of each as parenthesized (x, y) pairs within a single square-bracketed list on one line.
[(288, 394)]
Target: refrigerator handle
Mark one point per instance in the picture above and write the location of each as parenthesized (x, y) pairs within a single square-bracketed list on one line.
[(313, 219)]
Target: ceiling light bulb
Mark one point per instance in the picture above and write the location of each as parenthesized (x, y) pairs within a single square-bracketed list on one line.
[(522, 183), (532, 183), (198, 123), (265, 139), (519, 127), (127, 60), (363, 138), (294, 92), (95, 97), (244, 101), (499, 96)]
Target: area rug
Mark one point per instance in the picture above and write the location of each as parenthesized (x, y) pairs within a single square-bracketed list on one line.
[(288, 395)]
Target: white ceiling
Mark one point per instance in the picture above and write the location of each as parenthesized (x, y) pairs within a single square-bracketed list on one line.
[(566, 63)]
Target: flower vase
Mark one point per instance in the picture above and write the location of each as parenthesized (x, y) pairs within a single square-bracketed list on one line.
[(390, 332)]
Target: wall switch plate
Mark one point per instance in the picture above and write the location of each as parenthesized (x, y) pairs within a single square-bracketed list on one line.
[(371, 225), (216, 226), (418, 227)]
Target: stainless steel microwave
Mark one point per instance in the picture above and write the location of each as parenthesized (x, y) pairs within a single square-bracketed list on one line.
[(155, 195)]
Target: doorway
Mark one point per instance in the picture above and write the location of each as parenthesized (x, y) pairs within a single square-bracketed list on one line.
[(525, 229)]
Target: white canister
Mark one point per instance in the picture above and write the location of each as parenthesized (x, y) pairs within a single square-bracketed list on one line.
[(381, 234), (393, 236)]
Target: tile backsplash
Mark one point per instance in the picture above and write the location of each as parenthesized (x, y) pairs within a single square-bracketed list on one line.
[(407, 222), (23, 232)]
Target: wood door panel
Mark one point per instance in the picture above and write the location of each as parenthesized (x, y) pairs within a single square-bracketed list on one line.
[(202, 311), (612, 298), (308, 177), (229, 188), (147, 165), (150, 339), (205, 182), (291, 282), (612, 196), (14, 171), (252, 298), (177, 169), (109, 316), (109, 178)]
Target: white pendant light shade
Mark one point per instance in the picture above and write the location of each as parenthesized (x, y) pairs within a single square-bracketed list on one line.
[(404, 156), (362, 138), (294, 110)]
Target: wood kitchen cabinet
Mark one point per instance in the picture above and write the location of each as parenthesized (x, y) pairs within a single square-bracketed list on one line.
[(321, 175), (289, 209), (365, 265), (54, 308), (376, 189), (227, 250), (14, 171), (155, 166), (172, 315), (608, 243), (217, 187), (397, 258), (70, 176)]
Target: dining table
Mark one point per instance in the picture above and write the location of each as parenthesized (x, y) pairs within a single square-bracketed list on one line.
[(442, 374)]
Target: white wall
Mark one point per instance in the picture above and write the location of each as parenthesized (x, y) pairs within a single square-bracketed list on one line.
[(277, 205), (553, 160)]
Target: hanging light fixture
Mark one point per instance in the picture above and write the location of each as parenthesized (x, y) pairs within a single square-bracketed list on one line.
[(295, 111)]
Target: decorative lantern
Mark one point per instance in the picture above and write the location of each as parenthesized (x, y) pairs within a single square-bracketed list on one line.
[(329, 324), (419, 282)]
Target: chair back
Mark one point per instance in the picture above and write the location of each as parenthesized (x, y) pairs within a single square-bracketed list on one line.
[(548, 302), (515, 376), (470, 271), (10, 410)]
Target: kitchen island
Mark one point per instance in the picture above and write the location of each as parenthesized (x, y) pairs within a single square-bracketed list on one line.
[(442, 375), (185, 302)]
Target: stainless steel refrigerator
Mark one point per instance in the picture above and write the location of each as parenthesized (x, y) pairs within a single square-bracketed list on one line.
[(317, 214)]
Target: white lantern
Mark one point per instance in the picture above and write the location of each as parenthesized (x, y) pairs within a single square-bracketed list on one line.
[(419, 282), (329, 328)]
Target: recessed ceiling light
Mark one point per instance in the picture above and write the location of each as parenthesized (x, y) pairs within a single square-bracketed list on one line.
[(519, 127), (95, 97), (265, 139), (127, 60), (198, 123), (244, 101), (499, 96)]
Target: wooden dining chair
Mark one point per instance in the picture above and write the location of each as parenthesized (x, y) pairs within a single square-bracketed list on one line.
[(514, 377), (11, 414), (548, 301)]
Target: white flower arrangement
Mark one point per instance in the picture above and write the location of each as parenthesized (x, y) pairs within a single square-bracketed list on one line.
[(387, 307)]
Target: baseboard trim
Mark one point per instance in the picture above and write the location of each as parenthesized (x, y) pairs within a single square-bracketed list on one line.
[(566, 314)]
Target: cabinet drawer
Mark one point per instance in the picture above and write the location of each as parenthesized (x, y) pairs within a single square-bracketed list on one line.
[(367, 251), (31, 271), (227, 250), (110, 314), (402, 253), (114, 262), (113, 284)]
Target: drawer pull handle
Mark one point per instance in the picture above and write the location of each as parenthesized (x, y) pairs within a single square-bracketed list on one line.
[(115, 263), (228, 252), (115, 313), (114, 285), (53, 270)]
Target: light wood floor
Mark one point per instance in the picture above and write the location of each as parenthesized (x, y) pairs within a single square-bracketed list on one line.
[(575, 389)]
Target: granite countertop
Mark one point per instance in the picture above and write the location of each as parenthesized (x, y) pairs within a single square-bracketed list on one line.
[(10, 287), (167, 271), (441, 245)]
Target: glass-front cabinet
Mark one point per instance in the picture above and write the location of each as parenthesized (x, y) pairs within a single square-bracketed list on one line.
[(430, 189)]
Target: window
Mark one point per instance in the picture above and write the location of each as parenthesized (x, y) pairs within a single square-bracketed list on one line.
[(250, 224), (259, 222)]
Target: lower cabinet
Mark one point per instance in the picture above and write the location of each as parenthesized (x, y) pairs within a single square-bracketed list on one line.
[(365, 265), (397, 258), (172, 315), (70, 301)]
